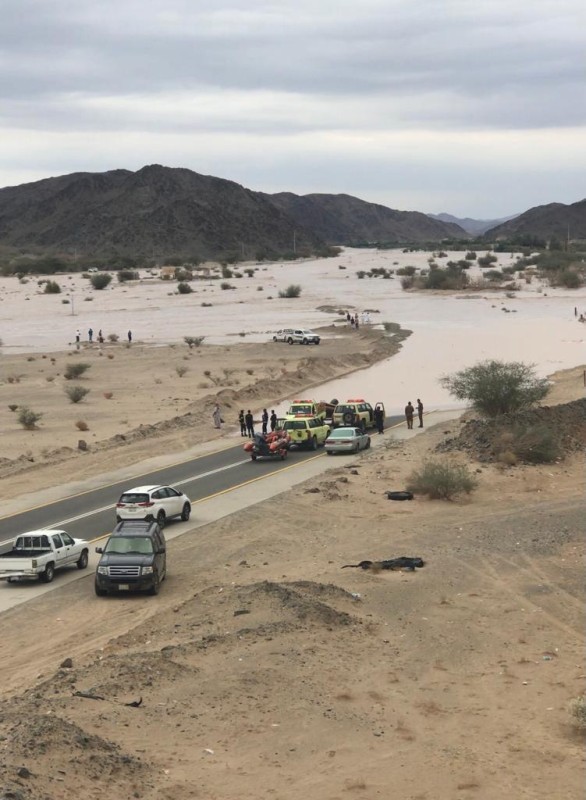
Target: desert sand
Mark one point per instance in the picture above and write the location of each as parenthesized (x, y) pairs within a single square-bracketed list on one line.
[(264, 669)]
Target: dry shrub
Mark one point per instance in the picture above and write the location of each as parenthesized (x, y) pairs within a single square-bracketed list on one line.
[(81, 425), (508, 458), (75, 370), (76, 393), (13, 406), (108, 395), (28, 418), (203, 385), (110, 356), (578, 712), (13, 378), (181, 371), (441, 480), (536, 444)]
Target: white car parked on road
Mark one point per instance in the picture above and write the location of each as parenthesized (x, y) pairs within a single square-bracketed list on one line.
[(347, 440)]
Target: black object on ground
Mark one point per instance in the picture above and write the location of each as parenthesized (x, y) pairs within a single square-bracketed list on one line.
[(408, 563), (400, 495)]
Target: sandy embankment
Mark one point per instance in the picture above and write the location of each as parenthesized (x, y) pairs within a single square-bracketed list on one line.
[(261, 675), (138, 405)]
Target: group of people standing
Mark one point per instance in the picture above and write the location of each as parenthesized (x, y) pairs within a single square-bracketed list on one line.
[(247, 422), (356, 320), (99, 339), (410, 413)]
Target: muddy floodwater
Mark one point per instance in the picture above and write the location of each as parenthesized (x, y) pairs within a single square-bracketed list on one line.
[(536, 324)]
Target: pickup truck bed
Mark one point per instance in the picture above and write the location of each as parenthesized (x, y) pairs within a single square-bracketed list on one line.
[(25, 553)]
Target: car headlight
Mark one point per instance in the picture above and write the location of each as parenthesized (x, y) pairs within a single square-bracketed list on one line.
[(102, 570), (147, 570)]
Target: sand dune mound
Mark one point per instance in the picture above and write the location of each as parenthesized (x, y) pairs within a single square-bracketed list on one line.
[(486, 439)]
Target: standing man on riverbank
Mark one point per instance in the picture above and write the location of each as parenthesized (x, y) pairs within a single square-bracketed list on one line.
[(249, 419), (409, 410), (420, 412)]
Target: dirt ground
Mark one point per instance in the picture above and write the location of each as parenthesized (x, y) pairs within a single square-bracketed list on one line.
[(138, 405), (265, 670)]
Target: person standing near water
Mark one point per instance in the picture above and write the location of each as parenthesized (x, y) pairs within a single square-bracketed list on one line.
[(409, 414), (420, 412)]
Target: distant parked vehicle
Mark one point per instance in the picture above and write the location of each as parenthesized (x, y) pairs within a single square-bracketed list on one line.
[(39, 554), (347, 440), (296, 336), (158, 503)]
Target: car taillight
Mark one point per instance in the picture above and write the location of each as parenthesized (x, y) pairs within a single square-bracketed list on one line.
[(120, 505), (145, 505)]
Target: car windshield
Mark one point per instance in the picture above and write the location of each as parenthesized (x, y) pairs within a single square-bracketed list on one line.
[(300, 410), (295, 425), (344, 409), (125, 545), (133, 498), (342, 433)]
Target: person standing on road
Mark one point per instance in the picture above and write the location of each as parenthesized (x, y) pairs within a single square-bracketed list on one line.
[(129, 337), (249, 419), (273, 420), (265, 421), (90, 335), (242, 422), (420, 412), (409, 414), (379, 419), (217, 417), (77, 337)]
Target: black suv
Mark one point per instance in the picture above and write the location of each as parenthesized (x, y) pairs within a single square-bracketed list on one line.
[(134, 559)]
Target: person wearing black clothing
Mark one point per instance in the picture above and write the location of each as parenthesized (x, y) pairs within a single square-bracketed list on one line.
[(242, 422), (409, 414), (379, 419), (265, 420), (420, 412), (249, 419), (273, 420)]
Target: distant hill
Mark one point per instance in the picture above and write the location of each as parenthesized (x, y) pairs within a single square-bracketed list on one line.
[(475, 227), (164, 211), (341, 219), (155, 210), (554, 219)]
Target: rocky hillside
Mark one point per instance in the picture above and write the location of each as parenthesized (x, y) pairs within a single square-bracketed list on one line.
[(156, 210), (554, 219), (475, 227), (162, 211), (342, 219), (488, 439)]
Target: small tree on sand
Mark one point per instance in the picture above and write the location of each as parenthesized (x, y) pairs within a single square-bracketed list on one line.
[(497, 387)]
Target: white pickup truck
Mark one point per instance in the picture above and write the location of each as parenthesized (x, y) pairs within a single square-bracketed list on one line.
[(40, 553)]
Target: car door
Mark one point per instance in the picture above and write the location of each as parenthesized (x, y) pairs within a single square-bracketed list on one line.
[(60, 551), (175, 500), (70, 547), (160, 555), (168, 501)]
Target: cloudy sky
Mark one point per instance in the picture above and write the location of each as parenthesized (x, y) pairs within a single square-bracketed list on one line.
[(474, 107)]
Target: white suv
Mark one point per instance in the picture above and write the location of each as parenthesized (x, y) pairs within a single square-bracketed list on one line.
[(158, 503)]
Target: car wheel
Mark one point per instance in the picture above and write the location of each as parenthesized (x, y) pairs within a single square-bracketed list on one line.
[(186, 513), (356, 448), (304, 341), (290, 341), (253, 456), (313, 444), (82, 560), (274, 338), (154, 590), (367, 446), (99, 592), (48, 575), (161, 519), (330, 452), (363, 426), (118, 518)]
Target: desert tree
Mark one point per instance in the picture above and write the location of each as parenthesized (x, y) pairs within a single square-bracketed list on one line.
[(497, 387)]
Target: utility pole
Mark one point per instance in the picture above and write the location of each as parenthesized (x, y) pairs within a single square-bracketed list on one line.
[(295, 241)]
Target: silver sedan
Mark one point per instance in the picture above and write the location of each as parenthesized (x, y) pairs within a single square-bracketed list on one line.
[(346, 440)]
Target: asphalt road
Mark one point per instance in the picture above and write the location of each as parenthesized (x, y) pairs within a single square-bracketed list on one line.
[(91, 515)]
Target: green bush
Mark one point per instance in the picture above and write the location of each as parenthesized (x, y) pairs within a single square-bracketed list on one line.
[(100, 280), (535, 444), (28, 418), (568, 278), (487, 260), (441, 480), (293, 290), (127, 275), (52, 287), (76, 393), (184, 288), (225, 286), (497, 387), (193, 341), (75, 370)]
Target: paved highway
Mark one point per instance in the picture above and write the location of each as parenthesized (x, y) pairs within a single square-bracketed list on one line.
[(91, 515)]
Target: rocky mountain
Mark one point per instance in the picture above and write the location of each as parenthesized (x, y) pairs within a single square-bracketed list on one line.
[(475, 227), (155, 210), (341, 219), (163, 211), (555, 219)]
